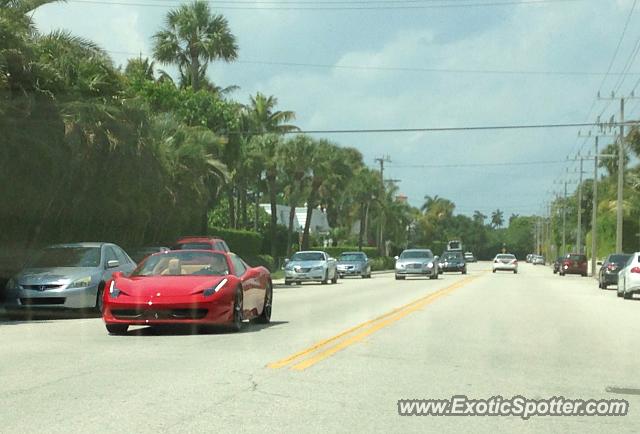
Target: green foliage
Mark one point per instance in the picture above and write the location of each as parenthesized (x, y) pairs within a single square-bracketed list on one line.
[(382, 263), (266, 261), (244, 243)]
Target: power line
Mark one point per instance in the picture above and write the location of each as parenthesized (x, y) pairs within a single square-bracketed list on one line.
[(435, 129), (410, 69), (333, 8), (502, 164)]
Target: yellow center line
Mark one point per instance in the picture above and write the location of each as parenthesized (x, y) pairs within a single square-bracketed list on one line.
[(323, 349)]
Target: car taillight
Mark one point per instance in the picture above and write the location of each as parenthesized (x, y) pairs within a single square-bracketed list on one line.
[(611, 267), (635, 270), (515, 261)]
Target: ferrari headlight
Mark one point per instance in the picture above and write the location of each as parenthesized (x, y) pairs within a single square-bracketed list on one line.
[(430, 265), (210, 291), (113, 291), (80, 283)]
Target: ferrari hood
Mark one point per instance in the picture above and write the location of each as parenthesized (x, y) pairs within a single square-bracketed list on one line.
[(168, 286)]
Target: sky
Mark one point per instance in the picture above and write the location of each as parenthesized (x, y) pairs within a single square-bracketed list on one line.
[(418, 64)]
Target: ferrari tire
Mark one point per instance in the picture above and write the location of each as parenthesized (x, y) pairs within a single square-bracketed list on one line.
[(265, 316), (627, 295), (236, 324), (326, 278), (117, 329), (434, 277), (99, 302)]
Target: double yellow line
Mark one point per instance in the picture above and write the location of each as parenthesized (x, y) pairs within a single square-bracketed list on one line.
[(326, 348)]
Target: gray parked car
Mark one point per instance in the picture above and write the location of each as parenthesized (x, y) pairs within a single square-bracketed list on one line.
[(416, 262), (66, 276), (310, 266), (354, 264)]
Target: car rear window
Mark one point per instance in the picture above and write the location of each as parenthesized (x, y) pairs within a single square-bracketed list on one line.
[(194, 246), (577, 257), (619, 259)]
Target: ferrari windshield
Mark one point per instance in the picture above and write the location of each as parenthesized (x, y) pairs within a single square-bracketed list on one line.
[(184, 263), (308, 256), (416, 254), (67, 257)]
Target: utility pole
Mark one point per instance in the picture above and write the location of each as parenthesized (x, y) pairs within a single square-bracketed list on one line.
[(594, 212), (579, 233), (619, 215), (621, 155), (564, 220), (382, 160)]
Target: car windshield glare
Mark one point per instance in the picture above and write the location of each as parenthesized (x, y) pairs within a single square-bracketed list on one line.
[(352, 257), (67, 257), (450, 256), (308, 256), (416, 254), (184, 263)]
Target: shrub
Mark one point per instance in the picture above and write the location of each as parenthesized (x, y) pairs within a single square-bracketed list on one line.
[(244, 243), (382, 263), (261, 261)]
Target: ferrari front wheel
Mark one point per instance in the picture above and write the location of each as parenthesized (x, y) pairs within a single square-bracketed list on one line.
[(265, 316), (236, 325)]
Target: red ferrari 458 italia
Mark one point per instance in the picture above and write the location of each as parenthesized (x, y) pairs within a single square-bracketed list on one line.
[(191, 287)]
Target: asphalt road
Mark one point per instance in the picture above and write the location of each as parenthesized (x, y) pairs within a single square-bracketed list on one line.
[(337, 358)]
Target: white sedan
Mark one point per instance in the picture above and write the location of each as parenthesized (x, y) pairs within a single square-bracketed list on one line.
[(629, 277), (505, 262)]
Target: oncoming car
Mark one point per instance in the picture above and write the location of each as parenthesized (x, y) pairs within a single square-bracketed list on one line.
[(353, 264), (191, 287), (310, 266), (416, 262), (505, 262)]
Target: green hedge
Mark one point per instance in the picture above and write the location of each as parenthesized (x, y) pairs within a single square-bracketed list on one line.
[(261, 261), (244, 243), (382, 263), (371, 252)]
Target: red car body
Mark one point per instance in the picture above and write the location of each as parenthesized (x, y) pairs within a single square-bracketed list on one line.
[(189, 298), (574, 263)]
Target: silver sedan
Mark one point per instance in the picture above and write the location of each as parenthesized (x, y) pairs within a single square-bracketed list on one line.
[(416, 262), (66, 276)]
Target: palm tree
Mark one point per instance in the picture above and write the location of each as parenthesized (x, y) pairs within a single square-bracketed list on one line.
[(267, 151), (437, 207), (139, 68), (193, 37), (263, 118), (294, 156), (497, 218), (478, 217)]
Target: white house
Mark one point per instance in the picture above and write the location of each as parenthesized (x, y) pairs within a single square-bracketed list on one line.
[(319, 222)]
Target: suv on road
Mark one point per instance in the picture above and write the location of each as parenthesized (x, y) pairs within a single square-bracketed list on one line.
[(201, 243), (574, 263)]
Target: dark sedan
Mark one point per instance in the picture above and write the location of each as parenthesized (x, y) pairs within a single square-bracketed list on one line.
[(609, 270), (453, 262)]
